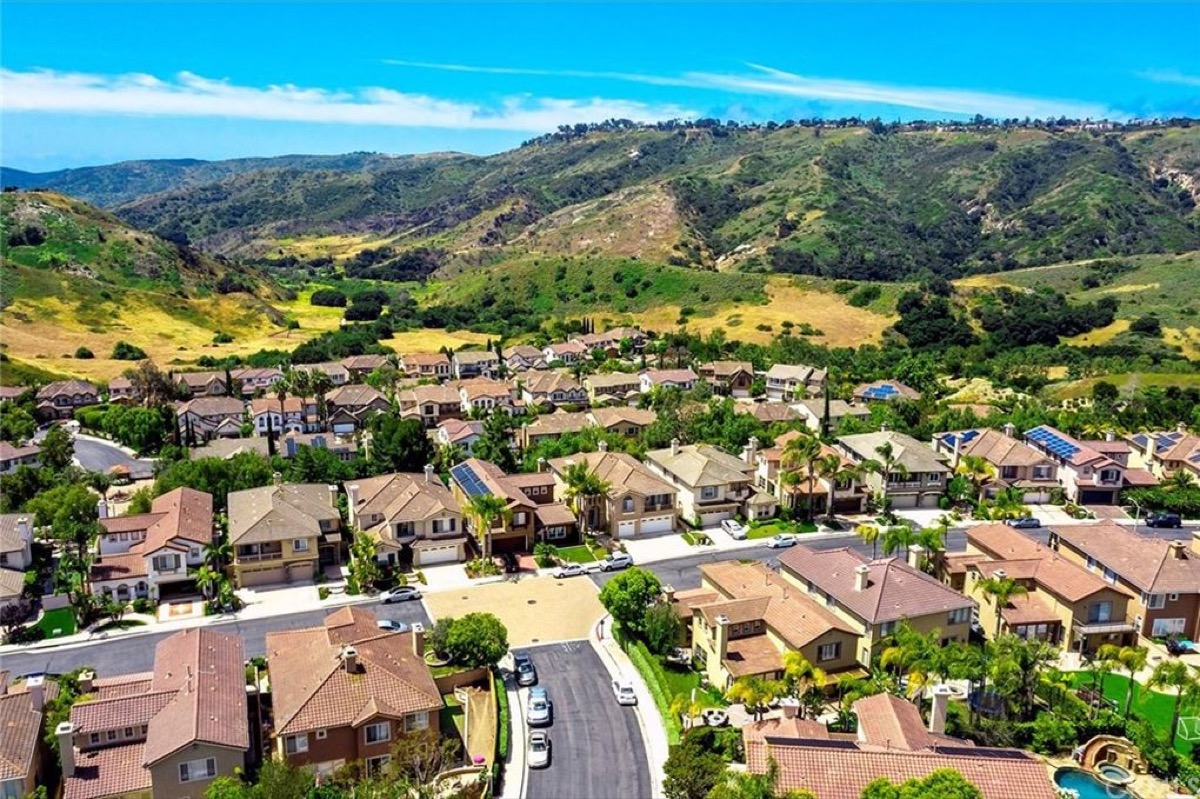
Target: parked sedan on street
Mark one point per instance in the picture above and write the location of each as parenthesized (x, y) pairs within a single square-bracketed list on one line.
[(623, 691), (736, 529), (1164, 520), (525, 670), (539, 710), (781, 541), (405, 593), (1024, 523), (539, 750), (570, 570)]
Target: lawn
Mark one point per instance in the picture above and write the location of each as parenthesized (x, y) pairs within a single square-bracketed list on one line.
[(61, 619), (776, 527), (581, 554), (696, 538), (666, 681), (451, 716), (1153, 706)]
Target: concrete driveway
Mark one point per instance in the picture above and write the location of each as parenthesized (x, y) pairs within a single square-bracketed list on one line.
[(597, 749), (533, 609)]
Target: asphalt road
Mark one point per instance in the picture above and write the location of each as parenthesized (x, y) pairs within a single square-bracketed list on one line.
[(597, 751), (100, 456), (126, 654)]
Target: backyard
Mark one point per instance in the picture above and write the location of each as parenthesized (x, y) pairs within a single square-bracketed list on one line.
[(667, 682), (1152, 706)]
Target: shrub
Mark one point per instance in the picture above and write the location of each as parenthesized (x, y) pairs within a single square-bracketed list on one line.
[(863, 296), (1052, 735), (124, 351), (328, 298), (545, 554), (1147, 325), (322, 592), (222, 338), (477, 639), (367, 311), (83, 353), (145, 605), (437, 636)]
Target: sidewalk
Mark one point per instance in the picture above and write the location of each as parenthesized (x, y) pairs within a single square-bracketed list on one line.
[(672, 546), (515, 770), (654, 734)]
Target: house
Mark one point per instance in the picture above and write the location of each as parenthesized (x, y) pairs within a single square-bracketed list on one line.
[(257, 380), (1064, 604), (345, 448), (812, 411), (484, 395), (16, 557), (1162, 576), (510, 532), (729, 378), (682, 379), (280, 533), (335, 371), (874, 596), (744, 618), (918, 483), (120, 389), (710, 484), (886, 391), (891, 742), (622, 420), (432, 404), (156, 554), (346, 691), (201, 384), (458, 433), (13, 458), (209, 417), (474, 363), (22, 750), (565, 354), (848, 495), (1087, 475), (293, 415), (165, 733), (426, 365), (610, 341), (59, 400), (413, 519), (359, 366), (1015, 464), (638, 502), (788, 382), (552, 390), (1166, 452), (619, 387), (11, 393), (349, 408), (550, 426), (523, 357), (767, 412)]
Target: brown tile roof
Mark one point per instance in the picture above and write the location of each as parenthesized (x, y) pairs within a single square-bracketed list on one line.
[(8, 452), (612, 380), (684, 602), (131, 710), (696, 465), (768, 412), (727, 369), (364, 363), (213, 406), (10, 532), (745, 657), (622, 415), (785, 728), (475, 357), (67, 387), (124, 566), (1152, 564), (737, 611), (1023, 558), (555, 513), (1029, 609), (403, 497), (460, 430), (912, 454), (549, 382), (103, 773), (797, 372), (478, 387), (279, 512), (887, 720), (20, 731), (425, 359), (439, 394), (894, 589), (122, 685), (624, 473), (1000, 450), (183, 513), (551, 424), (291, 405), (355, 395), (312, 690), (660, 376)]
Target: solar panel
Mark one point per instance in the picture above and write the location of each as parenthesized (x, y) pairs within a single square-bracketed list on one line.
[(465, 476), (970, 435)]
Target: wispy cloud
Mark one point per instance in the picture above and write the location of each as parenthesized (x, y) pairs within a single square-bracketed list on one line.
[(764, 80), (190, 95), (1170, 76)]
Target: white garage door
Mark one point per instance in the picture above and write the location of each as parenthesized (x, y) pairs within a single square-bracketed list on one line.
[(626, 529), (903, 500), (446, 554), (661, 524)]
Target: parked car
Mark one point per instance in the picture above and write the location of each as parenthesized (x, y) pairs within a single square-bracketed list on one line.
[(1164, 520), (405, 593), (736, 529), (539, 711), (781, 541), (570, 570), (1180, 646), (615, 561), (539, 750), (623, 691), (392, 626), (1024, 523), (525, 670)]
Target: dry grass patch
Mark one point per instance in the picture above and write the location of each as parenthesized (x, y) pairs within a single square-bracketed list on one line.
[(1187, 339), (1101, 335), (432, 339), (533, 610)]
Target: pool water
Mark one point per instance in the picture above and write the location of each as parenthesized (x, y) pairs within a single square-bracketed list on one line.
[(1089, 787)]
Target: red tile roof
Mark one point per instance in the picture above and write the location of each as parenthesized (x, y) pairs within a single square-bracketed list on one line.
[(103, 773), (1151, 564)]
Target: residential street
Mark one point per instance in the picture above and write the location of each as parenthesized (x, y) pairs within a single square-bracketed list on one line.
[(596, 745), (98, 455)]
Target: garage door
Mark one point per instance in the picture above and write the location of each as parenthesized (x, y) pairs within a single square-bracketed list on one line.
[(660, 524), (263, 576), (929, 500), (1096, 498), (300, 572), (444, 554), (626, 529), (903, 500), (1037, 497)]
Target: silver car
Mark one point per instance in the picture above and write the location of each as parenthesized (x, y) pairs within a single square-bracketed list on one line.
[(539, 710), (539, 750), (781, 541), (392, 626), (623, 691)]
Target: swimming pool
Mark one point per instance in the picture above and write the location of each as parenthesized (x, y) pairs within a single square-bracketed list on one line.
[(1088, 785)]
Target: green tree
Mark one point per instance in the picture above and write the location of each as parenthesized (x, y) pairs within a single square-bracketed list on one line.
[(1176, 677), (755, 693), (663, 628), (16, 423), (690, 771), (584, 488), (869, 534), (477, 639), (484, 510), (495, 442), (799, 461), (979, 471), (628, 597), (999, 590), (58, 449), (399, 445), (364, 566), (888, 464)]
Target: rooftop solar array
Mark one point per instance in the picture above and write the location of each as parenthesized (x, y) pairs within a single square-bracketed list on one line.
[(885, 391), (1168, 440), (1052, 442), (465, 476), (960, 439)]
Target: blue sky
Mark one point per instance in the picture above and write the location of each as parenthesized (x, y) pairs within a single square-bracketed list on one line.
[(100, 82)]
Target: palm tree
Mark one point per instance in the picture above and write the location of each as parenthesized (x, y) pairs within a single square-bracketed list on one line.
[(217, 554), (1179, 480), (1176, 676), (1009, 504), (484, 510), (933, 541), (1001, 590), (869, 534), (1108, 659), (978, 471), (887, 465), (583, 487), (208, 580), (831, 468), (281, 393), (897, 537), (802, 451), (686, 707), (754, 693), (320, 385), (1133, 659), (804, 681)]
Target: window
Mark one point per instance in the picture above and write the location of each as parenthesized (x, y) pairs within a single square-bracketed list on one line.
[(322, 735), (94, 738), (377, 764), (1110, 575), (627, 505), (379, 732), (295, 744), (1008, 472), (1109, 475), (111, 735), (708, 492), (299, 544), (198, 769), (1091, 563), (933, 479), (407, 528), (1157, 601), (1164, 627), (556, 532), (887, 628), (1173, 597), (1043, 472), (959, 616), (129, 732), (1099, 612), (166, 563), (827, 652), (416, 721)]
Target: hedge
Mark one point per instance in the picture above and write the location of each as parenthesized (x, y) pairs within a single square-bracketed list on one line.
[(646, 665)]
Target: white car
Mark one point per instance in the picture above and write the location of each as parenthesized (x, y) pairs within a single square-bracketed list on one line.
[(392, 626), (404, 593), (539, 750), (539, 709), (623, 691), (570, 570), (781, 541), (616, 561), (736, 529)]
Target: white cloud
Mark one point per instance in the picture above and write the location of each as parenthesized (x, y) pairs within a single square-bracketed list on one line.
[(1170, 76), (769, 81), (190, 95)]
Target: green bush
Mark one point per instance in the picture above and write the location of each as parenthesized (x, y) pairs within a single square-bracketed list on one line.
[(502, 718), (222, 338), (1053, 735), (83, 353), (322, 592), (863, 296), (646, 665), (329, 298), (124, 351)]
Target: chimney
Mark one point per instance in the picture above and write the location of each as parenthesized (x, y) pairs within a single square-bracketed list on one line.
[(916, 553), (418, 640), (101, 509), (1181, 427), (541, 464), (668, 593), (278, 478), (65, 732), (861, 572), (1000, 574), (1177, 550), (722, 639), (289, 445), (791, 707), (1010, 430), (429, 473), (352, 493), (350, 659), (941, 705), (332, 496), (35, 686), (25, 530), (86, 681), (750, 454), (1109, 435), (883, 428), (603, 445), (674, 446)]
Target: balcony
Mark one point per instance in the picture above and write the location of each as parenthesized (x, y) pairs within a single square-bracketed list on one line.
[(258, 556)]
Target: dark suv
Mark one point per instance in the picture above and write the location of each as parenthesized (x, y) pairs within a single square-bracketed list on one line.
[(1164, 520)]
